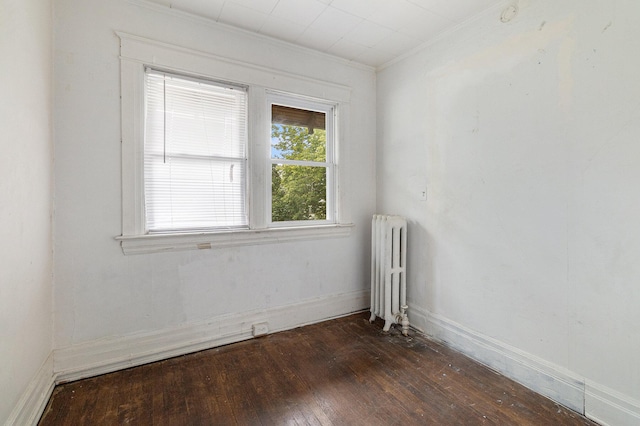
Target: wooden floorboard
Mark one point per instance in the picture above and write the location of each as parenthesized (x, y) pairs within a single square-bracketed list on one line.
[(340, 372)]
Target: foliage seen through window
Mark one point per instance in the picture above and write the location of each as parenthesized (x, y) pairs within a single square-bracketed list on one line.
[(299, 191)]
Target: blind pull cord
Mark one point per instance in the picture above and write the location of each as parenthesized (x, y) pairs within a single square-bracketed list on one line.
[(164, 126)]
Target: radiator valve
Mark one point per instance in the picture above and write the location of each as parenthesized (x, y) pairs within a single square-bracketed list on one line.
[(405, 319)]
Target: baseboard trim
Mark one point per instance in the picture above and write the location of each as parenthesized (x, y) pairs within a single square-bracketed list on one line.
[(609, 407), (34, 400), (538, 375), (593, 400), (111, 354)]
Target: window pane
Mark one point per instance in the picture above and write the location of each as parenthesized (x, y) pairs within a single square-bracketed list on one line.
[(298, 134), (298, 193)]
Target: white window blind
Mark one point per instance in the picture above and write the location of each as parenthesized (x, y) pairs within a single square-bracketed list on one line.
[(195, 157)]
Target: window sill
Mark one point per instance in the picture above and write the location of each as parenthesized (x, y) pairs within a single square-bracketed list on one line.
[(139, 244)]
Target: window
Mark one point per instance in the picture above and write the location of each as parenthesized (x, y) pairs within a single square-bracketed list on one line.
[(194, 153), (222, 153), (302, 165)]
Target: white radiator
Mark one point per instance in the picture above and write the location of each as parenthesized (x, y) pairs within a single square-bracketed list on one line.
[(388, 271)]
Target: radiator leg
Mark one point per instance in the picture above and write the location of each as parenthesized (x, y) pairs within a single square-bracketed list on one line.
[(372, 318), (387, 325)]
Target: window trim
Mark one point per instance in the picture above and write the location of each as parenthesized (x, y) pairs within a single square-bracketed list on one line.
[(136, 53), (157, 243)]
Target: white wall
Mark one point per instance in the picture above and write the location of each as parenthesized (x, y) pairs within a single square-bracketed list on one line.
[(526, 135), (25, 194), (101, 293)]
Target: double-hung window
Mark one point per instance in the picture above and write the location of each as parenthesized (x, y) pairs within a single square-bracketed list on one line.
[(302, 160), (195, 154), (221, 153)]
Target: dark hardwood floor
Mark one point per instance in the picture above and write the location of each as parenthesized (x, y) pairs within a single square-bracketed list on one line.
[(340, 372)]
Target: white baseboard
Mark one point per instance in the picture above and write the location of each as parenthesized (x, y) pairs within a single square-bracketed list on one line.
[(597, 402), (111, 354), (35, 398), (545, 378), (609, 407)]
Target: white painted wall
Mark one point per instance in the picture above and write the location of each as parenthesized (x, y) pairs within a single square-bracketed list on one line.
[(25, 194), (526, 134), (101, 293)]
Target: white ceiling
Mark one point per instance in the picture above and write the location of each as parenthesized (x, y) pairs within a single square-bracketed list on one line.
[(372, 32)]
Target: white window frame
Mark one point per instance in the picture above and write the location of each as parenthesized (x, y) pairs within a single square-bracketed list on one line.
[(136, 53), (330, 111)]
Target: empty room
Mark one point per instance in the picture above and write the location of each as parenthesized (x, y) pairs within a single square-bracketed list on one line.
[(194, 182)]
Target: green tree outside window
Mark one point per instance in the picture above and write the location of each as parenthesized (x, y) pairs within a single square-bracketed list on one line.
[(298, 191)]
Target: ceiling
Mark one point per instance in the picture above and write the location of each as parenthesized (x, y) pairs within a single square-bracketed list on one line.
[(371, 32)]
